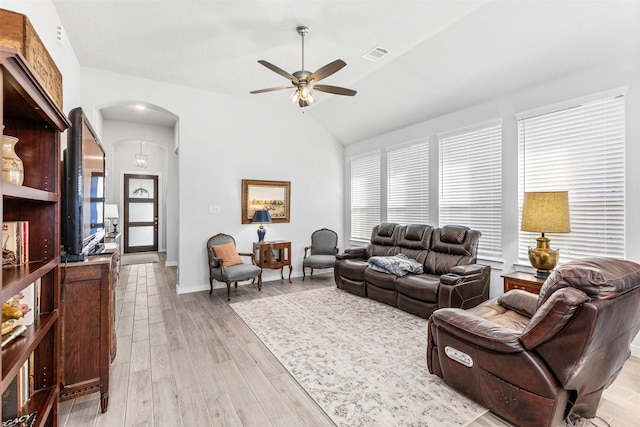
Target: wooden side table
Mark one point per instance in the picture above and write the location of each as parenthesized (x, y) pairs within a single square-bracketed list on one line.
[(522, 280), (276, 254)]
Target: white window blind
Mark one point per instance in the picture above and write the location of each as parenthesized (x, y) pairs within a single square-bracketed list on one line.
[(408, 184), (580, 150), (471, 183), (365, 195)]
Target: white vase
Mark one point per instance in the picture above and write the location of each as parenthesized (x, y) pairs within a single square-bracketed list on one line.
[(12, 167)]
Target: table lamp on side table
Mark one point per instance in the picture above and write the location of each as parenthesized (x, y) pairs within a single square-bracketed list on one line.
[(261, 217), (545, 212), (111, 213)]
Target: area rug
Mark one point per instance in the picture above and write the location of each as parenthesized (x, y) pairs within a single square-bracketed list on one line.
[(143, 258), (362, 361)]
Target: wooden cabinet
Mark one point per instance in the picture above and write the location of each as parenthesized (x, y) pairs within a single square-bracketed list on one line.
[(88, 330), (28, 113), (522, 280), (276, 254)]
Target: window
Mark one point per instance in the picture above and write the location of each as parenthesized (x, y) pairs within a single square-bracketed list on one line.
[(408, 184), (365, 195), (579, 149), (471, 183)]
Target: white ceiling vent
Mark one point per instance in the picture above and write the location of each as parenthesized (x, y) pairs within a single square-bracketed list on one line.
[(375, 54)]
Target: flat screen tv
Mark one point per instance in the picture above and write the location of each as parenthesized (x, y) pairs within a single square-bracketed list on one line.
[(83, 190)]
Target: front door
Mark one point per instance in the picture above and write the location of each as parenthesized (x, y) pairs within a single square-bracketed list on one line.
[(140, 213)]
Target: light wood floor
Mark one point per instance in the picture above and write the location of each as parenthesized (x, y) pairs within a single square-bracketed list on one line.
[(188, 360)]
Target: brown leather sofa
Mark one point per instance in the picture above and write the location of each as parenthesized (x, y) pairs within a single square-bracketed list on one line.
[(450, 276), (534, 360)]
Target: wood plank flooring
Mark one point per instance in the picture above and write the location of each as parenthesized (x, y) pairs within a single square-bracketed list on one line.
[(189, 360)]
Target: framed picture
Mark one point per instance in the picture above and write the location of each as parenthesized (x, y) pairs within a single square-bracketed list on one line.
[(273, 196)]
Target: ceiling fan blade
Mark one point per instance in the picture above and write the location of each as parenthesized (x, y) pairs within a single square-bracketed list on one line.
[(335, 90), (327, 70), (278, 70), (271, 89)]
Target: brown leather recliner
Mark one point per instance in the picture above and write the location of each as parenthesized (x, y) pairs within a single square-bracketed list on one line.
[(534, 360)]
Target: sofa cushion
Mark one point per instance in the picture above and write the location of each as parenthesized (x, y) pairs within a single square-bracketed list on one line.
[(452, 239), (423, 287), (384, 234), (353, 269), (379, 279), (453, 234), (415, 236)]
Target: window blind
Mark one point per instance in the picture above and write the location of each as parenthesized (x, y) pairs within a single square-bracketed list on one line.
[(408, 184), (471, 183), (365, 195), (581, 150)]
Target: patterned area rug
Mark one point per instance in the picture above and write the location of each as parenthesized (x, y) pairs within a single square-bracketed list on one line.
[(364, 362)]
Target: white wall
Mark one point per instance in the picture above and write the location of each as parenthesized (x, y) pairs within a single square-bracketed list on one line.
[(223, 140), (625, 73)]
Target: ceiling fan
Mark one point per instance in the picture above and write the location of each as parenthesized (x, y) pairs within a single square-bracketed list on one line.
[(302, 80)]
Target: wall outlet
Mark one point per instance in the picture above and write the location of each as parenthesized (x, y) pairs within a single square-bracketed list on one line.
[(214, 209)]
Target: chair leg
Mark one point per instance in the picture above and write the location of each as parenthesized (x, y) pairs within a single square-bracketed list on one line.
[(311, 271), (228, 291), (210, 285), (260, 281), (304, 270)]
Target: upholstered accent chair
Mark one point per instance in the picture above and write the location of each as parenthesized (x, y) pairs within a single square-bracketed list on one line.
[(535, 360), (225, 264), (322, 252)]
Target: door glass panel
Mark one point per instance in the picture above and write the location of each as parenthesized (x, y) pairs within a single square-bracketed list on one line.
[(141, 188), (141, 212), (141, 236)]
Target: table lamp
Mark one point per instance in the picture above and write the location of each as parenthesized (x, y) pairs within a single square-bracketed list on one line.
[(545, 212), (111, 212), (261, 217)]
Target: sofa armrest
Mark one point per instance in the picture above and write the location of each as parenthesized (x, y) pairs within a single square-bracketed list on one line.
[(476, 330), (520, 301), (465, 286), (468, 270), (353, 253)]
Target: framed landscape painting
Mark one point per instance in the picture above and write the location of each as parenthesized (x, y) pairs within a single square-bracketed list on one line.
[(273, 196)]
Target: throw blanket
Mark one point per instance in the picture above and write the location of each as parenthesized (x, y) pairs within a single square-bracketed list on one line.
[(398, 264)]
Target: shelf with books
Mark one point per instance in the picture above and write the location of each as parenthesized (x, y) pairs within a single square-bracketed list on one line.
[(28, 113)]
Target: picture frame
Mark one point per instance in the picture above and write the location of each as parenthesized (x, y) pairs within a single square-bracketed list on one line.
[(275, 196)]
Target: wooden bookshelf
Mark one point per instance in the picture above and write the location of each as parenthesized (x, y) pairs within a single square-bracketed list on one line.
[(30, 114)]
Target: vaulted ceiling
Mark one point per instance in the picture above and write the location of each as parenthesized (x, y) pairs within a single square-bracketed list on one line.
[(443, 55)]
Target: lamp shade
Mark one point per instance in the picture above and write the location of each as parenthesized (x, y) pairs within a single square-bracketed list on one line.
[(111, 211), (261, 217), (546, 212)]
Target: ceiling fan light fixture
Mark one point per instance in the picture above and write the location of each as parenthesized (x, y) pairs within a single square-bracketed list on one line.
[(306, 95), (295, 96)]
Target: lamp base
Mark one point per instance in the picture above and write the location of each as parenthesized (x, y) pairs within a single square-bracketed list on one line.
[(261, 233), (542, 274), (543, 258)]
